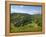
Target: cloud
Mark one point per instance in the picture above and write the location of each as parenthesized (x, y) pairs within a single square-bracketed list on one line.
[(23, 9), (33, 12)]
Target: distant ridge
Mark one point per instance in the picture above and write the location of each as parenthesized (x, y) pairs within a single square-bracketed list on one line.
[(25, 13)]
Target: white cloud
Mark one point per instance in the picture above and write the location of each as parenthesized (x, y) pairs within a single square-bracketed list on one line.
[(21, 10), (27, 11), (21, 6)]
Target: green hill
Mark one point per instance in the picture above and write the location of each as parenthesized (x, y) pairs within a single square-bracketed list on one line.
[(22, 21)]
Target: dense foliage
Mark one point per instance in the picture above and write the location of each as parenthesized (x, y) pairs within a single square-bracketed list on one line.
[(21, 22)]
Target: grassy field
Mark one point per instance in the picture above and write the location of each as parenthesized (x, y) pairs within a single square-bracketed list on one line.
[(25, 23)]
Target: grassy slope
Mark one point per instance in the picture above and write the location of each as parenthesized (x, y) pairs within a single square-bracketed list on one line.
[(29, 27)]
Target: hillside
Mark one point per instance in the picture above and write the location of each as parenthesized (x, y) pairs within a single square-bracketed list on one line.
[(23, 19)]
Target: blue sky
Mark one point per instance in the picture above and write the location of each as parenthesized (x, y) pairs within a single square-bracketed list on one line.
[(26, 9)]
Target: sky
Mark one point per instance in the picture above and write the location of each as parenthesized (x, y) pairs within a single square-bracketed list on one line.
[(26, 9)]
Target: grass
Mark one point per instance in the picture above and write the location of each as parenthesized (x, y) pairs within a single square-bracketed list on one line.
[(28, 21), (25, 28)]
